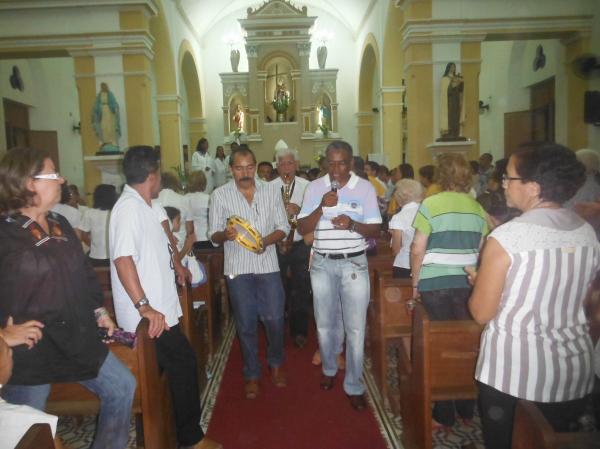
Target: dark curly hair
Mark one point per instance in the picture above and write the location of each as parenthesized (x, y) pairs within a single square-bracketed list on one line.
[(554, 167)]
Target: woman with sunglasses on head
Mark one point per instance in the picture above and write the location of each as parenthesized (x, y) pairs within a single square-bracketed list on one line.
[(530, 292), (50, 298)]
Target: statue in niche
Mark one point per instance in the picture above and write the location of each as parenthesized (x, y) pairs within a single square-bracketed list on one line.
[(106, 121), (238, 118), (324, 116), (452, 109), (281, 99)]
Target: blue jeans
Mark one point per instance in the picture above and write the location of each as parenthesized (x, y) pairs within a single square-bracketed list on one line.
[(115, 386), (255, 296), (341, 296)]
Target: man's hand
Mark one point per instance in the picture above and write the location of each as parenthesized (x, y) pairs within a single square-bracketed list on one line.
[(292, 209), (28, 333), (157, 321), (230, 233), (330, 199), (341, 222), (106, 322)]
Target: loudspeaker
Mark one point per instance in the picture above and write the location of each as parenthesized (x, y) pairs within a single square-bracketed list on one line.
[(591, 107)]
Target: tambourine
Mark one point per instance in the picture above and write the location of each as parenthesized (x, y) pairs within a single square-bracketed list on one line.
[(247, 236)]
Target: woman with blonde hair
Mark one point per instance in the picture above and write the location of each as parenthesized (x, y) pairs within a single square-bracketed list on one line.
[(408, 195), (449, 229)]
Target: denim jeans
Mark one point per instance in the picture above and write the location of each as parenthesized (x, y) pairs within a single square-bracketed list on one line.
[(341, 296), (115, 386), (255, 296)]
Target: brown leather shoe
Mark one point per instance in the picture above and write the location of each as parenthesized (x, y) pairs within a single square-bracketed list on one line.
[(251, 389), (205, 443), (327, 382), (278, 377), (357, 401)]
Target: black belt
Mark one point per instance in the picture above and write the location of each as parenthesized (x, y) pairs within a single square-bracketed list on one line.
[(340, 255)]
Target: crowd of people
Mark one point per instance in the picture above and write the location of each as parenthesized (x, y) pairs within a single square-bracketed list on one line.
[(512, 245)]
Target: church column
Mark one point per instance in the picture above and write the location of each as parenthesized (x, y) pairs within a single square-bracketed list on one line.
[(391, 103), (138, 97), (85, 79), (169, 125), (255, 90), (419, 93), (471, 67), (364, 123), (577, 131), (305, 98), (197, 130)]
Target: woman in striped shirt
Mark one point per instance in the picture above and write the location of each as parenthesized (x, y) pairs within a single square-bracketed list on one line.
[(534, 275)]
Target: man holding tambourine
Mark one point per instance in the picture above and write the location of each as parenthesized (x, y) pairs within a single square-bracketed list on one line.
[(248, 218)]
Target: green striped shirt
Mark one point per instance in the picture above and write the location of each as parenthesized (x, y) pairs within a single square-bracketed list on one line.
[(455, 224)]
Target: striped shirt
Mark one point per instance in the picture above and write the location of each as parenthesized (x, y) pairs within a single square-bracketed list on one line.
[(538, 347), (455, 224), (266, 214), (356, 199)]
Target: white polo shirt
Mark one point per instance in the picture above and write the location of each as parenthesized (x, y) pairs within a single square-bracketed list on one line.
[(135, 231)]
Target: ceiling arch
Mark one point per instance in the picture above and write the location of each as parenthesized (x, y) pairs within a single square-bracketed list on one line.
[(203, 14)]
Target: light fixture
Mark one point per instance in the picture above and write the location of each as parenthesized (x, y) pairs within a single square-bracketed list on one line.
[(483, 107)]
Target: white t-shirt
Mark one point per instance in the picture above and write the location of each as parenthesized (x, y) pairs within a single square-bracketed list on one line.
[(15, 421), (402, 221), (95, 221), (205, 163), (72, 215), (198, 208), (221, 171), (135, 231)]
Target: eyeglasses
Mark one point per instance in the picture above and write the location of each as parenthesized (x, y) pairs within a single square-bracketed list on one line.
[(52, 176), (506, 178)]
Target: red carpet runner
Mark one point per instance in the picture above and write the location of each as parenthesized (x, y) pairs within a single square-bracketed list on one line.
[(300, 416)]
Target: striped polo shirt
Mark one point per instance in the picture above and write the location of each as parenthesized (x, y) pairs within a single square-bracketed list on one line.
[(538, 347), (356, 199), (266, 214), (455, 224)]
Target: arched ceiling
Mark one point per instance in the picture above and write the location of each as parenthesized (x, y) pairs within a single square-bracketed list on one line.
[(203, 14)]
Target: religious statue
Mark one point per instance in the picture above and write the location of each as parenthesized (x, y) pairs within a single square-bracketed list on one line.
[(281, 100), (452, 109), (106, 122), (238, 118)]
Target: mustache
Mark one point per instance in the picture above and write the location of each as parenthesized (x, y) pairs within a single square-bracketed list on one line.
[(246, 178)]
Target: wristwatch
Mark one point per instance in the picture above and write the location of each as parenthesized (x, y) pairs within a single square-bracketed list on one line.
[(142, 302)]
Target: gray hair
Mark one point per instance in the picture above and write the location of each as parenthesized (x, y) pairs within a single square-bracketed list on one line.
[(408, 190), (590, 159), (282, 152)]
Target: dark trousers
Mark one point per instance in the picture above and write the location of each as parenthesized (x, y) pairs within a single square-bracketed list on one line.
[(498, 413), (176, 357), (400, 273), (297, 286), (443, 305)]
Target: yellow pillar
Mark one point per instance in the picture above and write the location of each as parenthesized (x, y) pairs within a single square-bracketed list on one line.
[(392, 125), (419, 76), (577, 131), (169, 125), (471, 67), (138, 97), (85, 69), (365, 133)]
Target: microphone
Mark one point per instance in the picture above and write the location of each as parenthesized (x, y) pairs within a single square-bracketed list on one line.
[(335, 185)]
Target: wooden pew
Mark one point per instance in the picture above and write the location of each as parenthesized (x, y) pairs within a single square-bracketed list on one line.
[(39, 436), (440, 366), (532, 431), (389, 318), (191, 326), (152, 400)]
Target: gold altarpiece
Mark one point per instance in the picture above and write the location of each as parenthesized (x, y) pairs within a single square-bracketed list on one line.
[(278, 50)]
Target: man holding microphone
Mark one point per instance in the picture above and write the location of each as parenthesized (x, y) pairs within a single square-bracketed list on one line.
[(341, 209)]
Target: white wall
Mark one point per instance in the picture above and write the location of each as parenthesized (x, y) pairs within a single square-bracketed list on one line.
[(51, 93), (506, 75), (469, 9)]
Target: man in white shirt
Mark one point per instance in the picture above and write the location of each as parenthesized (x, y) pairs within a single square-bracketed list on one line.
[(292, 252), (144, 287), (202, 160)]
